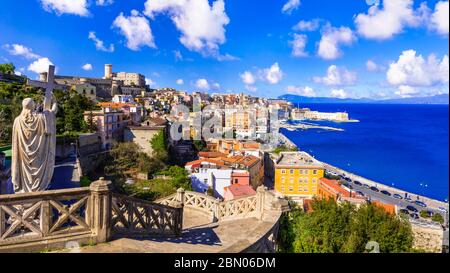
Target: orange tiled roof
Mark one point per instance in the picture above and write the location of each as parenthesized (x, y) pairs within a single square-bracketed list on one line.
[(211, 154), (334, 184), (199, 161), (115, 104)]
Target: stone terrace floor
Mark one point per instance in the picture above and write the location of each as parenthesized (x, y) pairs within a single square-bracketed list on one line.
[(199, 236)]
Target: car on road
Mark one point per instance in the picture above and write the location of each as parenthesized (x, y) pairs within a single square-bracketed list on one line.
[(414, 215), (357, 183), (397, 196), (375, 189), (360, 193), (404, 211), (385, 192), (366, 186), (412, 208), (420, 203), (408, 199), (442, 209)]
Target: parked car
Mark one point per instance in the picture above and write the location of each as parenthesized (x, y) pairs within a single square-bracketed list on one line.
[(412, 208), (366, 186), (420, 203), (404, 211), (414, 215), (360, 193), (375, 189), (398, 196), (408, 199), (357, 183), (442, 209), (386, 192)]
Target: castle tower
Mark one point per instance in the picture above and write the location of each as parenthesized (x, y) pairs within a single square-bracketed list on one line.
[(108, 71), (43, 76)]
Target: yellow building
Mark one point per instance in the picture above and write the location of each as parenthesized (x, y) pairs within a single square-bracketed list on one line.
[(86, 89), (297, 174)]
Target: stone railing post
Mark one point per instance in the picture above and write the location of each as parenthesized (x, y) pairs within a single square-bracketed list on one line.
[(260, 201), (180, 195), (216, 213), (101, 202), (180, 207)]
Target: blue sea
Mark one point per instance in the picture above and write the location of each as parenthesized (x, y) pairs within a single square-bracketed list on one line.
[(405, 146)]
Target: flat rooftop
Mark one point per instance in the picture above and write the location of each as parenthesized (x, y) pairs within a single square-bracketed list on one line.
[(297, 159)]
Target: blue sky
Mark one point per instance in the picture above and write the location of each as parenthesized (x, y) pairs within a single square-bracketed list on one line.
[(349, 48)]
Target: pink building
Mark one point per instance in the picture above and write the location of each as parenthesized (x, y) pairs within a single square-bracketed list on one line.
[(110, 124)]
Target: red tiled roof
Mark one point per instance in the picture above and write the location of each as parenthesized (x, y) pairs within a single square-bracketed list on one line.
[(240, 190)]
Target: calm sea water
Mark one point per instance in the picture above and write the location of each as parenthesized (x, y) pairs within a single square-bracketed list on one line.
[(405, 146)]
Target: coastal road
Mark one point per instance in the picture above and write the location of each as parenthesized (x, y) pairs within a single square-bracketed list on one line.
[(400, 203)]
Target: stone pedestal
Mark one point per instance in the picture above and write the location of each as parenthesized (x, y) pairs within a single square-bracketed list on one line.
[(100, 217)]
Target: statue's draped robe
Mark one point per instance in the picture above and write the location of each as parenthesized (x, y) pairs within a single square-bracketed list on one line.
[(33, 149)]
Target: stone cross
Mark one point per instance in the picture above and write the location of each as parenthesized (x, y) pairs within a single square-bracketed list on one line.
[(49, 85)]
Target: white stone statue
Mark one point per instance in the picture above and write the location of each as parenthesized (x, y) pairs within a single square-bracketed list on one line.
[(34, 143)]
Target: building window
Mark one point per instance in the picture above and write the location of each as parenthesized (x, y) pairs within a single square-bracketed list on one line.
[(283, 171), (306, 171), (291, 180), (301, 171), (291, 171), (314, 180), (315, 172), (291, 188)]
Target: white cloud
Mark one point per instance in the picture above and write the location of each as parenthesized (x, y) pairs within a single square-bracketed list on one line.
[(312, 25), (331, 39), (20, 50), (87, 67), (99, 44), (178, 55), (383, 23), (180, 81), (290, 6), (406, 91), (202, 26), (136, 29), (413, 70), (149, 82), (248, 78), (40, 65), (337, 76), (251, 88), (339, 93), (272, 75), (215, 86), (76, 7), (371, 66), (440, 18), (298, 45), (301, 91), (104, 2), (202, 84)]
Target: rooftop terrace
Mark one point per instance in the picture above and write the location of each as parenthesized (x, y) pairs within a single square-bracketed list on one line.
[(297, 159)]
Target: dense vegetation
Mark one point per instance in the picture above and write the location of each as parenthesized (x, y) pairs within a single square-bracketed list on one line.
[(342, 228), (284, 148), (71, 107), (126, 160)]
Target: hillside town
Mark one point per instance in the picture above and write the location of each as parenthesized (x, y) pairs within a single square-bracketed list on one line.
[(229, 145)]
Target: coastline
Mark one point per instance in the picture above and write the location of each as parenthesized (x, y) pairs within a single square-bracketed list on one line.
[(432, 203)]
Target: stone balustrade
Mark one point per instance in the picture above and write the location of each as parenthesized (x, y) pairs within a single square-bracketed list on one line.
[(40, 221), (31, 222)]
